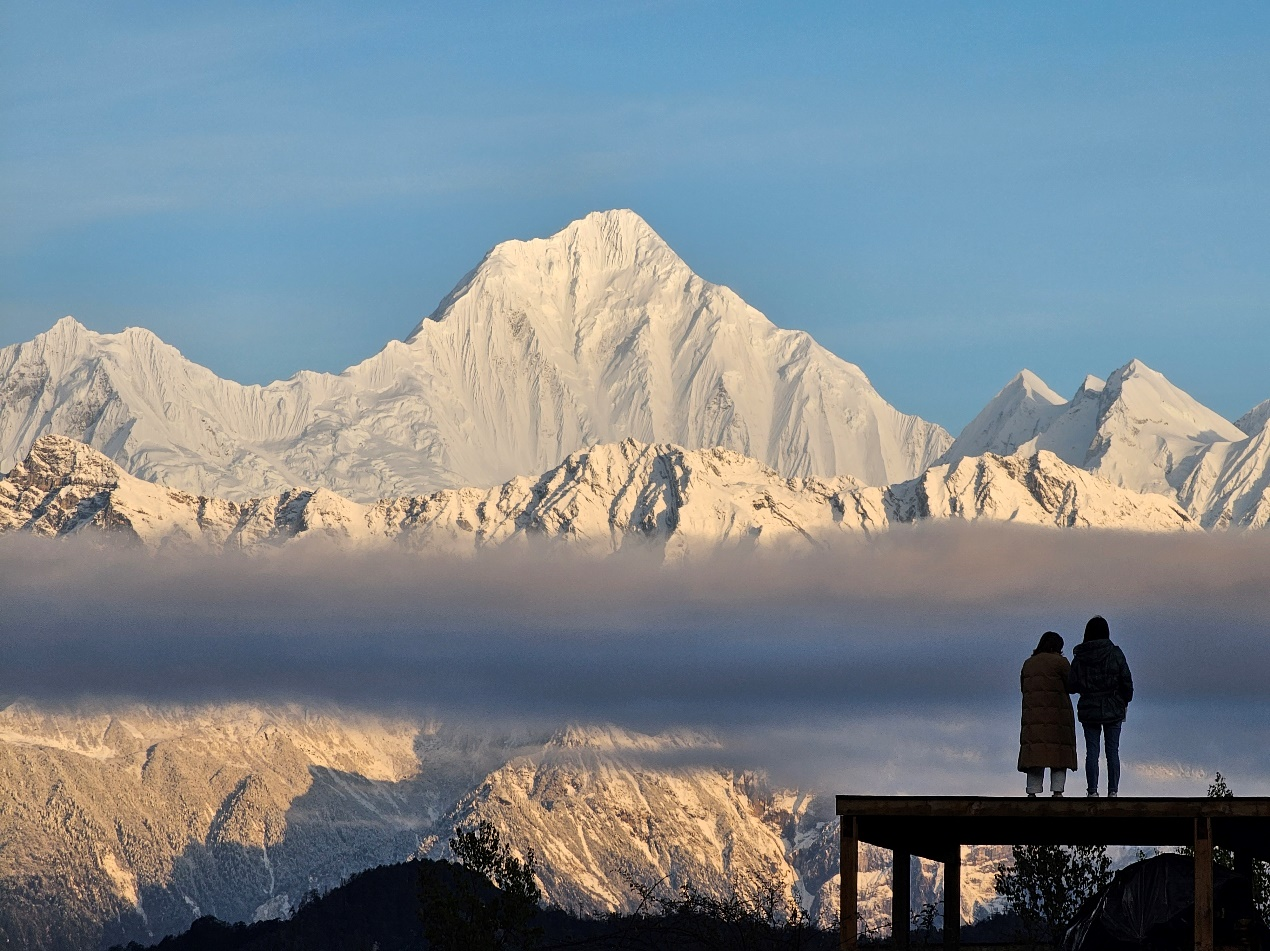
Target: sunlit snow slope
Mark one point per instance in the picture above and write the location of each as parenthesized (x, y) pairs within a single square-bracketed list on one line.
[(595, 334)]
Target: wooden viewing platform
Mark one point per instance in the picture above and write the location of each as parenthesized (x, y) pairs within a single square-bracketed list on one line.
[(936, 827)]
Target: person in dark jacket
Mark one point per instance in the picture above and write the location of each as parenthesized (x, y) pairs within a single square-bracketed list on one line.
[(1047, 736), (1100, 674)]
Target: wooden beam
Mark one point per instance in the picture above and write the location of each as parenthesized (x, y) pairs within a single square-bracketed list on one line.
[(901, 897), (952, 899), (848, 885), (1204, 885)]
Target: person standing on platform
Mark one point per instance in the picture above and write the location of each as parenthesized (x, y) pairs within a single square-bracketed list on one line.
[(1100, 674), (1047, 736)]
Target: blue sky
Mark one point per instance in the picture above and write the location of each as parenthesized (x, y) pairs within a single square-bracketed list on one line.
[(942, 194)]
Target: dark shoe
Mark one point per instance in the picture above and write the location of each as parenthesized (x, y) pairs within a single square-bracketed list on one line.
[(1092, 795)]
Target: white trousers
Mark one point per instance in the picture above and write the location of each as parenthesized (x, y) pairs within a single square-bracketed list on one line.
[(1036, 780)]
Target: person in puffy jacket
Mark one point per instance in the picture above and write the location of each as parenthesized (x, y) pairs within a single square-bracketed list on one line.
[(1100, 674), (1047, 736)]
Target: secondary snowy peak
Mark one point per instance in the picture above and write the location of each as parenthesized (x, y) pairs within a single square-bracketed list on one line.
[(659, 499), (1024, 408), (1149, 428), (1254, 421), (1135, 429), (143, 404), (595, 334)]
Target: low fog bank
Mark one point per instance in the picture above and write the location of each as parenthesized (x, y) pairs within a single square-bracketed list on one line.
[(886, 666)]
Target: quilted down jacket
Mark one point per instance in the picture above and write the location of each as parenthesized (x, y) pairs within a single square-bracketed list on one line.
[(1047, 737)]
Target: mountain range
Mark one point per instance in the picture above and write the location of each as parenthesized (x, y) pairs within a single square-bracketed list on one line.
[(665, 500), (590, 337), (128, 823)]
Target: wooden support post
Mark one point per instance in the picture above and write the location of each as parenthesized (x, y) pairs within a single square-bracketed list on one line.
[(849, 870), (952, 899), (901, 897), (1204, 885)]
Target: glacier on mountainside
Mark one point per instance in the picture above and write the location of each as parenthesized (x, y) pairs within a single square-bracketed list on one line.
[(595, 334)]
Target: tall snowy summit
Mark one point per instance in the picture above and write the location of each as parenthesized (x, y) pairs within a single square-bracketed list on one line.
[(593, 335)]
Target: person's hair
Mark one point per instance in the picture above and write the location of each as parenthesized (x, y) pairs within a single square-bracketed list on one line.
[(1051, 643), (1097, 629)]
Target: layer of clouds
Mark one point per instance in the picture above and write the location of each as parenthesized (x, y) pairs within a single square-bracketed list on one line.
[(890, 666)]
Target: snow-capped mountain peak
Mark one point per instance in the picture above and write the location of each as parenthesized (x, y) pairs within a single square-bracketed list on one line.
[(1149, 431), (595, 334), (1023, 408), (1091, 384), (1254, 421), (1135, 428)]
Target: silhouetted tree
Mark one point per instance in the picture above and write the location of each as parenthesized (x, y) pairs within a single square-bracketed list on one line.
[(494, 913), (1047, 884)]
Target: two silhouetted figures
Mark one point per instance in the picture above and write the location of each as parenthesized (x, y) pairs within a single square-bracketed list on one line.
[(1099, 673)]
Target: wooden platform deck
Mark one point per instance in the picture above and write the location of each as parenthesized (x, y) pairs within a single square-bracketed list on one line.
[(935, 827)]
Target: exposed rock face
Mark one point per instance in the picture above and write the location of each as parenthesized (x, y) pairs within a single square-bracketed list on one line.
[(593, 335), (600, 501)]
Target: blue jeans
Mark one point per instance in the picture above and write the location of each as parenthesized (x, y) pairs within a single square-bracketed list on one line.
[(1093, 733)]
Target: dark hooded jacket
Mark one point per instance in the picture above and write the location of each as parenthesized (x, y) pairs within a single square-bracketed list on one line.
[(1100, 674)]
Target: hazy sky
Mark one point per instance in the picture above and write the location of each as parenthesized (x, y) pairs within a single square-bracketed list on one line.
[(887, 667), (941, 193)]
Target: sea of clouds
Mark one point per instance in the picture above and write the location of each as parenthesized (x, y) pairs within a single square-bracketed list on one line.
[(889, 665)]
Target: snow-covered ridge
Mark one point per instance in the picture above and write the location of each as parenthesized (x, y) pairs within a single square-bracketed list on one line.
[(661, 499), (593, 335)]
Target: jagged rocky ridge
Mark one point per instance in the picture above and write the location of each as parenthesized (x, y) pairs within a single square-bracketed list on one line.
[(598, 333), (128, 823), (608, 498)]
